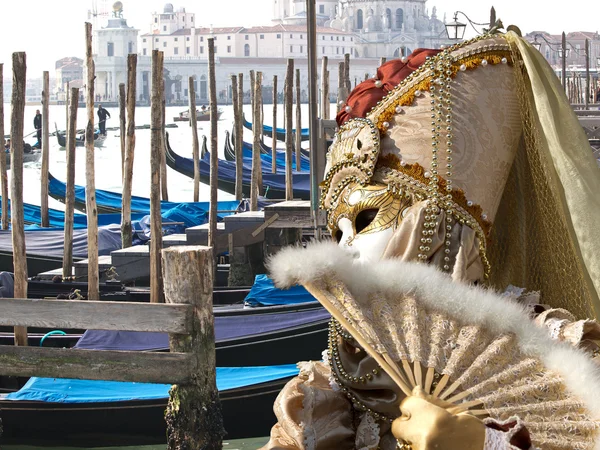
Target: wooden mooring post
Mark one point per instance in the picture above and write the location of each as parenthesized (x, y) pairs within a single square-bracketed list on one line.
[(289, 83), (126, 232), (17, 113), (324, 89), (274, 134), (193, 416), (45, 221), (156, 142), (188, 274), (3, 173), (239, 134), (214, 160), (298, 133), (163, 151), (347, 82), (235, 98), (195, 143), (341, 94), (122, 124), (90, 181), (255, 183), (70, 191)]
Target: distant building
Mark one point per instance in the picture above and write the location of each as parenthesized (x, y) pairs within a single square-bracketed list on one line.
[(381, 28), (575, 42), (68, 72)]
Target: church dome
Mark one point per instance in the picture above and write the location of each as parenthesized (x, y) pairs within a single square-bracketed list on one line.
[(168, 8)]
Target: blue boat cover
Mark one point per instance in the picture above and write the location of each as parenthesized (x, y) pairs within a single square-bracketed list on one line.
[(66, 390), (110, 199), (226, 328), (264, 293), (268, 129)]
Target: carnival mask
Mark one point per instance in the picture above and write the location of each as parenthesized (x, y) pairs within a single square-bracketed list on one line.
[(365, 218)]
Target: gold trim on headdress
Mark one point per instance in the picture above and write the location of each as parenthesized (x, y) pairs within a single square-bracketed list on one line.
[(348, 156)]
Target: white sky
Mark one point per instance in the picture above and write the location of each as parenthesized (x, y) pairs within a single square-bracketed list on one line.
[(51, 29)]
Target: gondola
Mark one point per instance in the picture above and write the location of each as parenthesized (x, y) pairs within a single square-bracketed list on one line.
[(266, 158), (273, 184), (80, 139), (268, 131), (247, 412), (110, 202), (31, 157), (201, 115), (266, 150)]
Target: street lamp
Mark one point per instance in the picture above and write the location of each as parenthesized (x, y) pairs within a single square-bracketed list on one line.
[(536, 44), (456, 29), (567, 52)]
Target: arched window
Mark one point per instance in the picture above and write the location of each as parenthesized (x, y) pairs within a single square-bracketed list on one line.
[(247, 50), (388, 15), (359, 19), (399, 18), (203, 88)]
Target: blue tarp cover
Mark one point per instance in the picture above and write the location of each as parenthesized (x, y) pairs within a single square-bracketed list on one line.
[(264, 293), (230, 327), (65, 390), (138, 204)]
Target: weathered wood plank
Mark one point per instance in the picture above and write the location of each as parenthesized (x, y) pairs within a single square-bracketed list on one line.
[(256, 181), (122, 124), (98, 315), (143, 367), (274, 134)]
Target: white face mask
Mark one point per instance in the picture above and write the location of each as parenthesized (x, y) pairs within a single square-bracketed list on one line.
[(365, 219), (365, 247)]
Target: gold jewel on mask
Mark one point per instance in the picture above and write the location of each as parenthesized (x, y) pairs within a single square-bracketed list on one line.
[(370, 209)]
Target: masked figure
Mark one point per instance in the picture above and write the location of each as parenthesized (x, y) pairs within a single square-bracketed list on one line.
[(453, 169)]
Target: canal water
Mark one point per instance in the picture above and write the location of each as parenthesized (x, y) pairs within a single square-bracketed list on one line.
[(238, 444)]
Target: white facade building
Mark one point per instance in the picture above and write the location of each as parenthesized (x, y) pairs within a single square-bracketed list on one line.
[(381, 28)]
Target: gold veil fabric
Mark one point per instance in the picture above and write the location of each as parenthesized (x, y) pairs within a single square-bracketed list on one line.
[(546, 235)]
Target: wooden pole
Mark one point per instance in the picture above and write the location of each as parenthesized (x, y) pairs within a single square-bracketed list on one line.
[(298, 133), (67, 103), (289, 83), (587, 74), (156, 136), (341, 86), (122, 124), (347, 82), (252, 97), (163, 152), (324, 89), (195, 144), (126, 233), (70, 194), (188, 275), (45, 221), (214, 160), (17, 114), (239, 134), (90, 181), (259, 101), (382, 61), (3, 173), (256, 166), (274, 135)]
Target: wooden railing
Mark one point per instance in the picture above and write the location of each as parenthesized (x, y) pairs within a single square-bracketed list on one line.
[(186, 316)]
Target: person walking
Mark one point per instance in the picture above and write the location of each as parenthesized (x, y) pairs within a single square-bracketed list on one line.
[(102, 115), (37, 124)]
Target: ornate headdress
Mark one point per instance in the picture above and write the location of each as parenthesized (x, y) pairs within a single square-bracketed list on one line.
[(445, 136)]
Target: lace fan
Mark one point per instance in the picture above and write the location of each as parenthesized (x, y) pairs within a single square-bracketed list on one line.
[(471, 348)]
